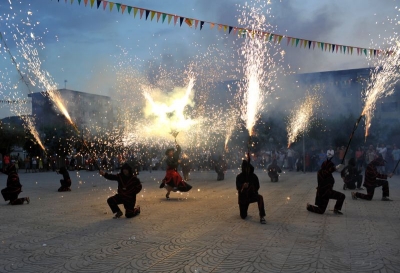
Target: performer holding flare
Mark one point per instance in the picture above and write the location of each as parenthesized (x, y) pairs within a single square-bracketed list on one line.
[(66, 182), (173, 180), (14, 187), (128, 187)]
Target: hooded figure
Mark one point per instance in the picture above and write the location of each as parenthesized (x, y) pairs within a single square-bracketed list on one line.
[(374, 179), (220, 168), (351, 175), (66, 182), (273, 170), (325, 189), (247, 185), (128, 186), (173, 180), (14, 187)]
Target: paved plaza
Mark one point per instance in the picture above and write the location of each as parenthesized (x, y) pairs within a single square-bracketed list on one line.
[(199, 231)]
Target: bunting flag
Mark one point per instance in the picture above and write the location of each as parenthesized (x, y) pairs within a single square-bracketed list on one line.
[(241, 32)]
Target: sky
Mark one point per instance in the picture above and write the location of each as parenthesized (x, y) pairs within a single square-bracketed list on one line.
[(87, 47)]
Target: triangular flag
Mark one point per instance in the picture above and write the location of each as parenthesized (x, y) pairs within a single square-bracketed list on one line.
[(318, 44), (91, 3), (98, 3), (181, 20), (175, 19), (234, 30), (105, 4), (118, 6), (169, 18), (201, 24), (152, 14), (72, 1), (280, 39), (219, 27), (85, 1), (330, 46), (141, 11), (313, 44), (293, 40), (189, 22), (230, 29), (305, 42), (358, 51), (365, 51), (344, 49), (333, 48), (351, 50), (371, 52), (271, 36), (158, 16), (275, 37), (297, 41), (196, 23), (288, 40), (110, 5), (129, 9), (322, 46), (147, 14), (135, 10), (123, 7), (163, 17), (79, 2), (337, 47), (212, 25), (309, 44)]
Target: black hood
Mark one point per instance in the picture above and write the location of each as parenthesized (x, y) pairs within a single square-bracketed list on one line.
[(247, 167), (126, 166), (11, 169)]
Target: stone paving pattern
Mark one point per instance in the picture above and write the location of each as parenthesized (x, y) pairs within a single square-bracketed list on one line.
[(200, 231)]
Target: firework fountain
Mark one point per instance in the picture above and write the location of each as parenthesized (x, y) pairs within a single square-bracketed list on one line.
[(259, 68)]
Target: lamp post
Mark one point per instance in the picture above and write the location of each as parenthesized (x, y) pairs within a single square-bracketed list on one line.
[(271, 140)]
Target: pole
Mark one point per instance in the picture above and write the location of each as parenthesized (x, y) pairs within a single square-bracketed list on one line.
[(351, 137), (396, 166), (304, 155)]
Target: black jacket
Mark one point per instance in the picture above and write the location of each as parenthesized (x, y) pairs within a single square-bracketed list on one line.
[(249, 194), (128, 186)]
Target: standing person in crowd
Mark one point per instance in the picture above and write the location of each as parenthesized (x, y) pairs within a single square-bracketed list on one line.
[(396, 157), (371, 154), (273, 171), (173, 180), (186, 166), (351, 175), (325, 189), (66, 181), (321, 157), (290, 157), (360, 158), (34, 164), (40, 164), (128, 187), (220, 168), (374, 179), (14, 187), (382, 150), (247, 185), (6, 161), (27, 162)]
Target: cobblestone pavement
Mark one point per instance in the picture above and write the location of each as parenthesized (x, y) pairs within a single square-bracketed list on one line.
[(199, 231)]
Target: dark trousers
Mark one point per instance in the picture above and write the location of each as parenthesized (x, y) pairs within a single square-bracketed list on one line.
[(274, 177), (371, 190), (243, 207), (351, 185), (12, 197), (129, 205), (220, 176), (65, 185), (324, 200)]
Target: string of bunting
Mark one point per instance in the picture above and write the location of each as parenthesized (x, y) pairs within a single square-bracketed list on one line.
[(241, 32), (14, 101)]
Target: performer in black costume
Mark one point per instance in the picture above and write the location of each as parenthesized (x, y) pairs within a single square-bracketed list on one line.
[(66, 181), (351, 175), (128, 186), (220, 168), (247, 185), (325, 189), (14, 187), (273, 170)]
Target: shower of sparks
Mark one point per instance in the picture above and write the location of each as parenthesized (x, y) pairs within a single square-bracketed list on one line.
[(382, 82), (230, 125), (302, 116), (166, 112), (259, 67)]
